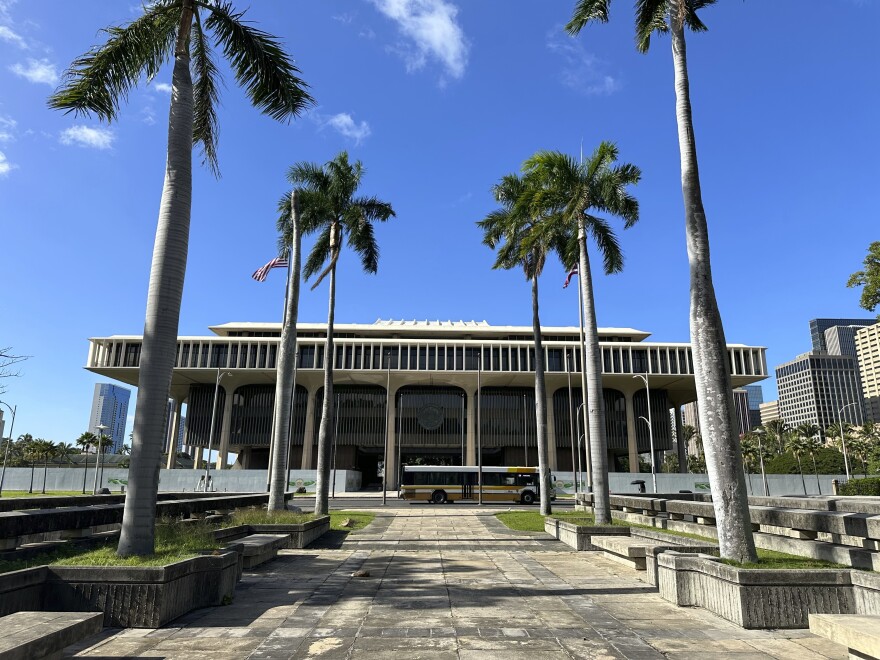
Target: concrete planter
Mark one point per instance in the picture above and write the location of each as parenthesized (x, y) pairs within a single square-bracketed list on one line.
[(129, 597), (756, 598), (579, 536), (301, 534)]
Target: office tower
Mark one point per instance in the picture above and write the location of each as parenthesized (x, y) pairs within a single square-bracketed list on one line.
[(868, 352), (756, 398), (819, 326), (110, 409), (769, 411)]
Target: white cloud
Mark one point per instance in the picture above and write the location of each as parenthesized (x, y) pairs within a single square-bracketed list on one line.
[(7, 34), (345, 125), (5, 165), (581, 71), (431, 26), (7, 128), (37, 71), (165, 88), (85, 136)]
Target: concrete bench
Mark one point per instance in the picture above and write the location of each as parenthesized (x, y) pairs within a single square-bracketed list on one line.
[(859, 633), (35, 635), (260, 548), (627, 550)]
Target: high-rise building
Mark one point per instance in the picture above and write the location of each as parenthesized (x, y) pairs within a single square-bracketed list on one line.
[(868, 351), (756, 398), (169, 425), (110, 409), (769, 411), (741, 406), (819, 326), (822, 389), (841, 339)]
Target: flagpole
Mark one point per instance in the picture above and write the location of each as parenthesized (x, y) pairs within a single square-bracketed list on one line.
[(275, 403)]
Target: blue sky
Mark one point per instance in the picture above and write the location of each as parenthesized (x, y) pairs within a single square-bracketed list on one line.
[(439, 99)]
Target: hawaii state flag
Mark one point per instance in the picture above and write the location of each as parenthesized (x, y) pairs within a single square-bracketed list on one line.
[(571, 273), (262, 273)]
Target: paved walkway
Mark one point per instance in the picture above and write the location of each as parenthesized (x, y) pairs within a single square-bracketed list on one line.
[(449, 582)]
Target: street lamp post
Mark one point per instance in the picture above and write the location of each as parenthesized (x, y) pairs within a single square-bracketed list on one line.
[(8, 443), (100, 428), (586, 449), (644, 377), (211, 432), (574, 469), (843, 435)]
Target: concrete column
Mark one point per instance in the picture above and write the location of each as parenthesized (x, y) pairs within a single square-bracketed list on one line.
[(632, 443), (175, 431), (471, 439), (309, 434), (682, 448), (391, 456), (551, 433), (225, 429)]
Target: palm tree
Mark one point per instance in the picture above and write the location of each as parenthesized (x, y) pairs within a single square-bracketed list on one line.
[(330, 208), (760, 436), (46, 450), (709, 347), (94, 85), (798, 446), (777, 430), (810, 434), (29, 454), (85, 442), (839, 436), (751, 451), (289, 226), (570, 193), (523, 241)]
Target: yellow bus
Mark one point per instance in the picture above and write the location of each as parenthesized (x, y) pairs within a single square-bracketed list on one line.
[(440, 484)]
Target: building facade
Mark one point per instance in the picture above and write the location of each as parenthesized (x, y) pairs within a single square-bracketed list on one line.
[(841, 339), (110, 409), (444, 392), (756, 398), (819, 326), (868, 352), (769, 411), (822, 389)]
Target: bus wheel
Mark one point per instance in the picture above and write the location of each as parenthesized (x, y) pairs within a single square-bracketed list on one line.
[(528, 497), (438, 497)]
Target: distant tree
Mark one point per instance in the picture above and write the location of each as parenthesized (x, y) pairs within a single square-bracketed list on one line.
[(85, 442), (670, 463), (8, 360), (810, 434), (45, 449), (749, 446), (30, 454), (869, 278), (775, 431), (798, 445), (124, 450)]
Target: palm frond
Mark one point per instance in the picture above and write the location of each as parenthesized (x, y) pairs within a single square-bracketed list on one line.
[(690, 17), (205, 98), (606, 241), (319, 255), (363, 242), (310, 175), (650, 18), (97, 82), (260, 64), (373, 209), (586, 11), (282, 225)]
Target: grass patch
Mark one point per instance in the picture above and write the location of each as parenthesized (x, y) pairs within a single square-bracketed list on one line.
[(522, 521), (356, 520), (770, 559), (174, 542), (263, 517)]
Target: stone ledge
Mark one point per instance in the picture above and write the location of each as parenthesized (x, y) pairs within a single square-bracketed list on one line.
[(859, 633), (38, 635)]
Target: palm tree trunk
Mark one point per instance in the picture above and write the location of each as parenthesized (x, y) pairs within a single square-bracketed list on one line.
[(801, 470), (286, 381), (595, 398), (45, 472), (540, 405), (85, 469), (33, 467), (711, 368), (327, 430), (163, 308), (816, 472)]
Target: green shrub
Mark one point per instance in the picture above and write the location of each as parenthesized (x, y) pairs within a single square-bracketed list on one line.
[(828, 461), (869, 486)]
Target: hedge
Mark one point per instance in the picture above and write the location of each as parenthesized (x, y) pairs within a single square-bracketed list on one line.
[(869, 486)]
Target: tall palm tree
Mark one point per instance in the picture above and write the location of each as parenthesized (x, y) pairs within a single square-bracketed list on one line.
[(776, 430), (289, 226), (524, 241), (28, 449), (94, 85), (798, 446), (570, 193), (46, 450), (85, 442), (810, 434), (709, 347), (330, 207)]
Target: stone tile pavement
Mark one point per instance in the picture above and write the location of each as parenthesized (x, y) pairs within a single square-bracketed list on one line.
[(448, 582)]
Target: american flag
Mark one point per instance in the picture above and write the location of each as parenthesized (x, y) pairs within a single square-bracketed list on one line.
[(262, 273), (571, 273)]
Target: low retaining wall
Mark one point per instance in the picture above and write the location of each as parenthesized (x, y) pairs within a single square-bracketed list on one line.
[(301, 534), (129, 597), (579, 536), (764, 598)]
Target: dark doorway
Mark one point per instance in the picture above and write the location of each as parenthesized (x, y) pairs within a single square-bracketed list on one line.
[(367, 462)]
